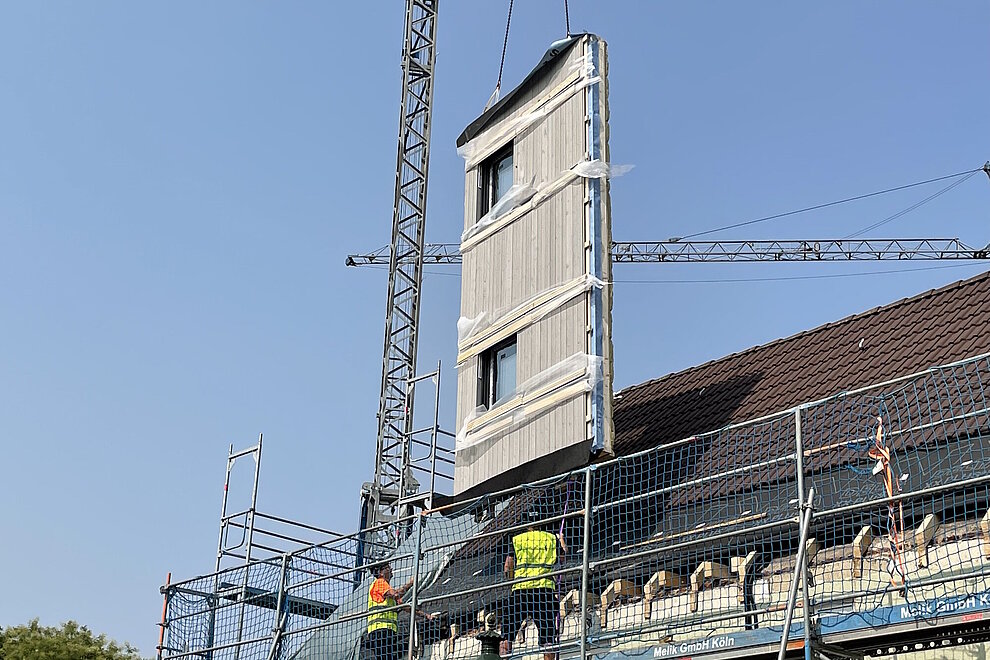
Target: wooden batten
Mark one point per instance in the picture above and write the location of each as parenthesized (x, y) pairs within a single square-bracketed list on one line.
[(707, 570), (985, 533), (660, 582), (572, 602), (861, 545), (741, 566), (453, 639), (924, 535), (618, 588), (811, 548)]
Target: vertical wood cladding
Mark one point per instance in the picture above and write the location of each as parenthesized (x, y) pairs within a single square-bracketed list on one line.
[(557, 120)]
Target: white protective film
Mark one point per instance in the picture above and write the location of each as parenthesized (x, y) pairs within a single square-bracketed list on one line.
[(516, 196), (596, 169), (534, 308), (579, 368)]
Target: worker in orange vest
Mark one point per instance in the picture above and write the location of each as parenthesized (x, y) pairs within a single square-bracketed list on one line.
[(383, 626)]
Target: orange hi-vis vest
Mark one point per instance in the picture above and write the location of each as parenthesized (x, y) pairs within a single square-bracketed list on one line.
[(381, 620)]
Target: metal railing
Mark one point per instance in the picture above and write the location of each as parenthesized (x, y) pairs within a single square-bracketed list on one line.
[(853, 511)]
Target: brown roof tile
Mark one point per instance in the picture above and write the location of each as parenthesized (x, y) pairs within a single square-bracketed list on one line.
[(935, 327)]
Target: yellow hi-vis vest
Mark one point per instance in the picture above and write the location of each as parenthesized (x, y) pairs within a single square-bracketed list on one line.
[(536, 553), (382, 620)]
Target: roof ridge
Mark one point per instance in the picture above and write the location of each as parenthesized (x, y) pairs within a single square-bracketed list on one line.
[(848, 319)]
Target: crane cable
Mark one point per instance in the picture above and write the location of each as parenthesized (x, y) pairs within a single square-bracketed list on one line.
[(913, 206), (493, 99), (827, 204)]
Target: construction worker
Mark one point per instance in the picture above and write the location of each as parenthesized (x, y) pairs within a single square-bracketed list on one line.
[(383, 627), (534, 554)]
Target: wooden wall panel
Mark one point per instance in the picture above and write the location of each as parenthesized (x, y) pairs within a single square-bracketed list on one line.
[(535, 250)]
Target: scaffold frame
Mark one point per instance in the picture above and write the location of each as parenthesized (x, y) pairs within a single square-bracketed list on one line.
[(856, 524)]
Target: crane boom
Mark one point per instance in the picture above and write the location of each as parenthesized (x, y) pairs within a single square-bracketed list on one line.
[(876, 249), (380, 498)]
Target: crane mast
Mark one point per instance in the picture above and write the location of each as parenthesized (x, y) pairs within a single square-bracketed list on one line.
[(381, 498)]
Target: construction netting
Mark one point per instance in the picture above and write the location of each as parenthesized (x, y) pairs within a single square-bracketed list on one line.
[(680, 549)]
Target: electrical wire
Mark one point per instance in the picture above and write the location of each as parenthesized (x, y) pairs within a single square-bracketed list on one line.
[(827, 204), (426, 271), (796, 277), (912, 207)]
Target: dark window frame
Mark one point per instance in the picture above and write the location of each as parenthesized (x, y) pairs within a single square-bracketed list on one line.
[(487, 178), (488, 375)]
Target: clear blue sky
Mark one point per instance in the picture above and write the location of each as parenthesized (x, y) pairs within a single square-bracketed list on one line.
[(180, 183)]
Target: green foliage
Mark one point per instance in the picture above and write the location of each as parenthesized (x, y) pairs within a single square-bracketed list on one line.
[(68, 642)]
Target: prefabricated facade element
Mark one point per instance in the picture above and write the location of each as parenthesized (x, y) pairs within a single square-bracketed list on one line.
[(534, 338)]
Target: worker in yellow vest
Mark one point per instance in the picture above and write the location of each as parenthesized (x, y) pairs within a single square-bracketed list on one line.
[(383, 626), (534, 554)]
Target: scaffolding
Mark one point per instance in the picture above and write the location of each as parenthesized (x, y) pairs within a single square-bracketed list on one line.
[(852, 526)]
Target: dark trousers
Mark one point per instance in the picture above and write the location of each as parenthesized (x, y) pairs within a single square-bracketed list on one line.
[(539, 605), (384, 644)]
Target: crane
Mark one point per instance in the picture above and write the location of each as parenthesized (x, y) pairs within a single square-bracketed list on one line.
[(380, 498), (646, 252), (390, 494)]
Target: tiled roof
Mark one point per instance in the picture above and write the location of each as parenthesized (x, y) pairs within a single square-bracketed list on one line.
[(937, 327), (934, 328)]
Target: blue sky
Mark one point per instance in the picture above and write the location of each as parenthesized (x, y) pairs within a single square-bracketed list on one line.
[(180, 183)]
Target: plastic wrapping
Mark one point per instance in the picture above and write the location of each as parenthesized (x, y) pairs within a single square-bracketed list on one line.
[(590, 365), (517, 195), (586, 67), (528, 194), (522, 193), (468, 326), (595, 169), (470, 149), (523, 403), (535, 307), (588, 75)]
